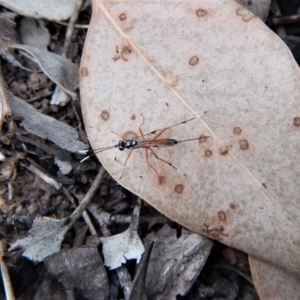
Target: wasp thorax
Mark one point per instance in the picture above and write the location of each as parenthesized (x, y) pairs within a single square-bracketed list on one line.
[(121, 145)]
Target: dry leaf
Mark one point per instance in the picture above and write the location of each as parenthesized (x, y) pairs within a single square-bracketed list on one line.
[(81, 271), (127, 245), (59, 69), (273, 283), (173, 61), (8, 34), (46, 127), (169, 271), (55, 10), (44, 238), (119, 247), (34, 33)]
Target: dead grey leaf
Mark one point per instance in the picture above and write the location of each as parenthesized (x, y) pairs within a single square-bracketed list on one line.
[(175, 263), (8, 34), (127, 245), (59, 69), (118, 248), (65, 166), (46, 234), (44, 238), (59, 97), (55, 10), (80, 269), (138, 289), (46, 127), (5, 109), (34, 33)]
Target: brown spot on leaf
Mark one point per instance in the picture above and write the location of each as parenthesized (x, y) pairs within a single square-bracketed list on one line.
[(223, 150), (237, 130), (194, 60), (214, 232), (244, 144), (264, 185), (297, 121), (104, 115), (222, 215), (201, 12), (125, 50), (232, 205), (122, 17), (202, 138), (129, 135), (133, 117), (208, 153), (179, 188), (84, 72)]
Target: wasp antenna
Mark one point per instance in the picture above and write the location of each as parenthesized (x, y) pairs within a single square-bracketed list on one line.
[(188, 120), (199, 138), (117, 134)]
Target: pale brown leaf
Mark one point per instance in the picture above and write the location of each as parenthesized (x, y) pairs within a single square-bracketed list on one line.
[(174, 62)]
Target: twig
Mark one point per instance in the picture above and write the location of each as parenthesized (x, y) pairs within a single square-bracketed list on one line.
[(277, 12), (39, 97), (104, 220), (58, 186), (5, 276), (123, 219), (279, 21), (6, 111), (70, 29), (85, 201), (38, 142)]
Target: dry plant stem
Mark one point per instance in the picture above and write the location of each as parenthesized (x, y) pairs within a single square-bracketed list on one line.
[(34, 169), (125, 281), (103, 219), (135, 215), (85, 201), (82, 133), (78, 26), (89, 223), (37, 171), (123, 219), (67, 45), (39, 97), (38, 142), (10, 191), (279, 21), (236, 270), (124, 277), (5, 110), (85, 6), (70, 29), (280, 30), (5, 276)]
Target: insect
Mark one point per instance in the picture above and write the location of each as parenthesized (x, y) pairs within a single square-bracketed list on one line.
[(148, 142)]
